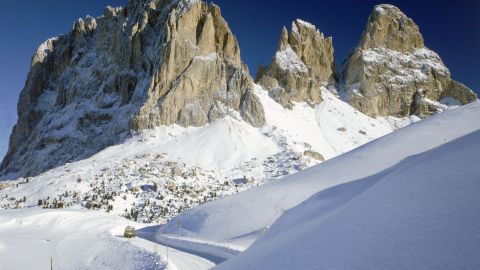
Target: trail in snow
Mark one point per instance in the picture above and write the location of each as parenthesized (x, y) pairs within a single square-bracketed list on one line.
[(202, 254), (177, 259)]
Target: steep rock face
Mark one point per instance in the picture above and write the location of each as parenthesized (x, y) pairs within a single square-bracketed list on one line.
[(151, 63), (303, 63), (391, 72)]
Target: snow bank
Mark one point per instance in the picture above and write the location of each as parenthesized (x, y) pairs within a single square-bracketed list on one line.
[(421, 213), (247, 214)]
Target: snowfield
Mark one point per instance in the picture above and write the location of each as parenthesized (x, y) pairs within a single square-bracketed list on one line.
[(74, 239), (81, 239), (406, 200), (420, 213), (242, 218)]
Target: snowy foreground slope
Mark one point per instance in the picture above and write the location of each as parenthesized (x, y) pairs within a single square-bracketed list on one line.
[(240, 219), (420, 213)]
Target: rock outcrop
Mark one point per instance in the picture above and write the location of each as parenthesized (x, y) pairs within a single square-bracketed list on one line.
[(151, 63), (303, 63), (391, 72)]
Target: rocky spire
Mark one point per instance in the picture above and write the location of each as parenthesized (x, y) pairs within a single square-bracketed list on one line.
[(283, 43), (303, 63), (391, 72), (148, 64), (390, 28)]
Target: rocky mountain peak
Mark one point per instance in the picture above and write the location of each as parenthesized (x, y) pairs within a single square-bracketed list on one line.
[(388, 27), (151, 63), (303, 63), (283, 43), (391, 73)]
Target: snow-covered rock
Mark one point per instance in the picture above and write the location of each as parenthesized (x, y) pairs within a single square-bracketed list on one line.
[(303, 63), (391, 72)]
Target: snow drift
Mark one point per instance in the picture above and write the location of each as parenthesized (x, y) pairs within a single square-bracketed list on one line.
[(241, 218), (419, 213)]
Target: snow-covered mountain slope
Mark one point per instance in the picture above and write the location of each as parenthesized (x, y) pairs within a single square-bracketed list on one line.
[(243, 217), (331, 128), (420, 213), (164, 171)]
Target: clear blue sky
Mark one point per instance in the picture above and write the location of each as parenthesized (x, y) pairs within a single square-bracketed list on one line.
[(451, 28)]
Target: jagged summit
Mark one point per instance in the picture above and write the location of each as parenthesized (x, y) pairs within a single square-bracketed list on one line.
[(388, 27), (391, 72), (303, 63), (150, 63)]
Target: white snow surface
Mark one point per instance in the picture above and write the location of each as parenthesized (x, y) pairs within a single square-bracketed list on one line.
[(80, 239), (74, 239), (224, 144), (212, 161), (220, 145), (241, 218), (332, 128), (421, 213), (404, 68), (288, 60)]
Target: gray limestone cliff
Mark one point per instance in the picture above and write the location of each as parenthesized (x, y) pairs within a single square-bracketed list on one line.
[(391, 72), (151, 63)]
